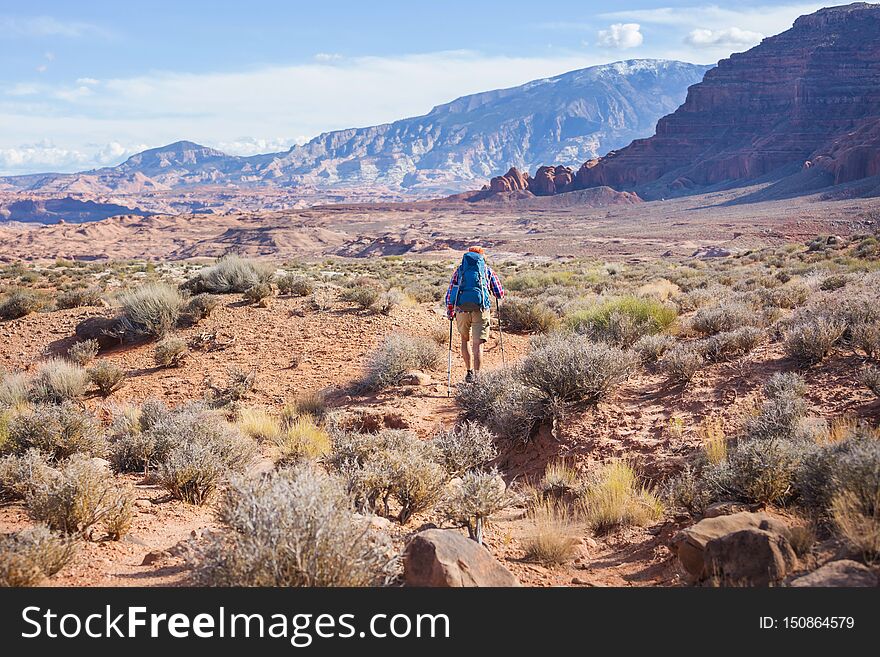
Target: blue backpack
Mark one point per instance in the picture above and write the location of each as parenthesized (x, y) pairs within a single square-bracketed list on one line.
[(473, 283)]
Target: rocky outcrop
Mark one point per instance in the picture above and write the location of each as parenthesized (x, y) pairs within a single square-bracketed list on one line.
[(445, 558), (806, 97), (749, 557), (691, 544), (844, 573), (512, 181)]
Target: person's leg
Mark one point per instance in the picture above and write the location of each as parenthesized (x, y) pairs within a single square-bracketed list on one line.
[(479, 335), (466, 353), (478, 351), (463, 323)]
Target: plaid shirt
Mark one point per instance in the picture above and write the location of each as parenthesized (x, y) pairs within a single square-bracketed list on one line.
[(495, 289)]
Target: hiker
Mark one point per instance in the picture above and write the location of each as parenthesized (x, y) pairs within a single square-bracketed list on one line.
[(468, 303)]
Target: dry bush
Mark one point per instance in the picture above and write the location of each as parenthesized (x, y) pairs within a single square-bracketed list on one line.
[(614, 498), (84, 494), (397, 355), (870, 378), (294, 285), (559, 479), (84, 352), (14, 390), (388, 301), (258, 293), (239, 384), (464, 447), (20, 303), (31, 555), (362, 297), (726, 316), (622, 321), (730, 345), (690, 491), (556, 534), (473, 499), (570, 368), (170, 352), (79, 298), (812, 339), (682, 362), (501, 401), (651, 348), (300, 439), (232, 273), (199, 461), (57, 381), (151, 310), (294, 528), (197, 308), (107, 377), (756, 471), (527, 316), (802, 536), (21, 473), (258, 423), (782, 414), (58, 431), (865, 339)]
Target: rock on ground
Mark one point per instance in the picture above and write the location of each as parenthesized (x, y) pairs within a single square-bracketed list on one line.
[(445, 558), (749, 557), (840, 573)]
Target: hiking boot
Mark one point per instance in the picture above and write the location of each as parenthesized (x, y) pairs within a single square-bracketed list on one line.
[(469, 377)]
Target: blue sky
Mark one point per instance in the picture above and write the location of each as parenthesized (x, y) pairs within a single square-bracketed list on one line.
[(86, 84)]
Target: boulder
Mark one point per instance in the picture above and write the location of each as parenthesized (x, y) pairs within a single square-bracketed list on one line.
[(839, 573), (107, 331), (445, 558), (690, 544), (749, 557)]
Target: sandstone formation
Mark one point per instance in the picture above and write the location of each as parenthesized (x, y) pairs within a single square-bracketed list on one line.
[(839, 573), (445, 558)]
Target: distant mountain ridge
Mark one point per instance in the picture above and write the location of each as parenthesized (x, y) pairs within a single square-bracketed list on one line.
[(567, 118)]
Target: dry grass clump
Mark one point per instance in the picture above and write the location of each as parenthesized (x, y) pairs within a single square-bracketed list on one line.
[(300, 439), (20, 303), (864, 337), (472, 500), (465, 447), (258, 294), (388, 301), (858, 521), (239, 384), (527, 316), (313, 403), (84, 352), (556, 534), (293, 528), (231, 273), (22, 473), (615, 498), (151, 310), (170, 352), (756, 471), (14, 390), (30, 556), (79, 298), (559, 479), (58, 380), (713, 439), (197, 308), (362, 297), (258, 423), (870, 378), (83, 494), (107, 377), (58, 431), (397, 355)]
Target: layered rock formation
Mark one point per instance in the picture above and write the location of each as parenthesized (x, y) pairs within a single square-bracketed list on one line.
[(806, 98)]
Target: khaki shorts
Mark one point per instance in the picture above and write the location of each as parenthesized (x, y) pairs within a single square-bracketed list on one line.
[(473, 323)]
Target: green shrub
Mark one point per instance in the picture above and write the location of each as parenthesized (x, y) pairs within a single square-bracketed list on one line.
[(293, 528), (83, 495), (107, 377), (84, 352), (689, 491), (527, 316), (232, 273), (151, 310), (622, 321), (59, 431), (31, 555), (850, 465), (397, 355), (570, 368), (57, 381)]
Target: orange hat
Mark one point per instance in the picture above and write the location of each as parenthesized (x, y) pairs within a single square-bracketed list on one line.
[(476, 249)]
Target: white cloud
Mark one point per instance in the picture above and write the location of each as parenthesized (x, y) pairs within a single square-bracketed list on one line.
[(327, 56), (621, 36), (764, 19), (87, 81), (46, 156), (732, 36), (257, 145), (46, 26), (42, 68)]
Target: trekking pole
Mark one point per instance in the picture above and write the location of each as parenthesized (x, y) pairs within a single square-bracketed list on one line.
[(449, 364), (500, 332)]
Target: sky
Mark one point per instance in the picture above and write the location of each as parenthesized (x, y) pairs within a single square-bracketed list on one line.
[(88, 83)]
